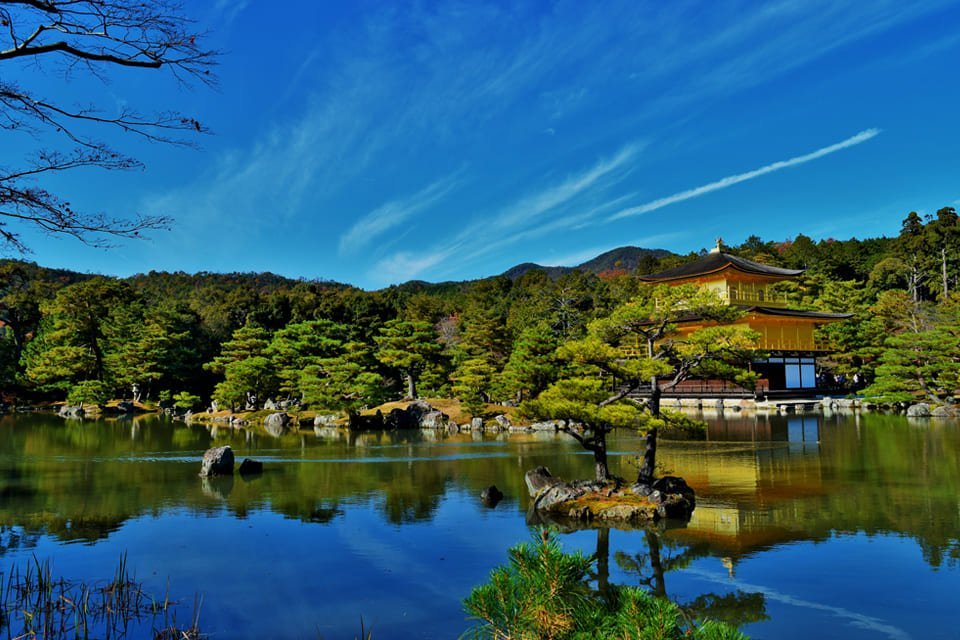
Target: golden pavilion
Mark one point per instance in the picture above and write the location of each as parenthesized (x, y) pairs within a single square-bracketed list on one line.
[(787, 335)]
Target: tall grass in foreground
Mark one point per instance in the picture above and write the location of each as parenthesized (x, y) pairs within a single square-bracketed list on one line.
[(544, 594), (35, 604)]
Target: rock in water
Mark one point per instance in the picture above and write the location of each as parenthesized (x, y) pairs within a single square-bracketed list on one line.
[(217, 461), (276, 423), (588, 500), (250, 467), (67, 411), (491, 496), (919, 410)]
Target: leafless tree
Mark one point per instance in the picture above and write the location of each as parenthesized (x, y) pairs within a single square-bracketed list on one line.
[(68, 39)]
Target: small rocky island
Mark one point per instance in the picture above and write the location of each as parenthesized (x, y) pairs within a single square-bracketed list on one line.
[(611, 501)]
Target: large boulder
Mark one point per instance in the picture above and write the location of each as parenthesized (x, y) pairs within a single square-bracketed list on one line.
[(419, 408), (276, 424), (476, 424), (126, 407), (433, 420), (417, 415), (325, 420), (919, 410), (504, 421), (539, 479), (217, 461), (68, 411), (398, 419), (367, 423), (424, 416), (944, 412)]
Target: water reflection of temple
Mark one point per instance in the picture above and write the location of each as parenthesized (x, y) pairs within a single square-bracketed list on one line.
[(749, 478)]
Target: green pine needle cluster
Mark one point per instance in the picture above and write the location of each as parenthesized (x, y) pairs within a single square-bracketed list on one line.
[(545, 594)]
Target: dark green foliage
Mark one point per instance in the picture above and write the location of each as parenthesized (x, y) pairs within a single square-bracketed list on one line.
[(472, 380), (544, 593), (408, 347), (186, 401), (79, 332), (300, 346), (924, 364), (248, 374), (533, 364), (637, 345), (89, 392), (486, 340), (8, 359), (346, 380)]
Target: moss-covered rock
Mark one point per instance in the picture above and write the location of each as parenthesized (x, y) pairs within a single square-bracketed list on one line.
[(667, 497)]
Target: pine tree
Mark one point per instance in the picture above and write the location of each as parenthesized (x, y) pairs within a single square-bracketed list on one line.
[(638, 344), (923, 360), (532, 365), (346, 381), (248, 374), (471, 380), (409, 347), (299, 346), (73, 344)]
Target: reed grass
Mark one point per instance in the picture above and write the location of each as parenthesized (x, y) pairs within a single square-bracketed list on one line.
[(36, 604)]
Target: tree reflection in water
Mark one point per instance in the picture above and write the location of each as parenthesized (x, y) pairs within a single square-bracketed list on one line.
[(736, 608)]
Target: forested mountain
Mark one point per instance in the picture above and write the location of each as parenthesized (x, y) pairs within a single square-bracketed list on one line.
[(623, 259), (245, 335)]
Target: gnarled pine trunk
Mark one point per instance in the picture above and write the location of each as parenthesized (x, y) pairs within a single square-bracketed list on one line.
[(649, 464)]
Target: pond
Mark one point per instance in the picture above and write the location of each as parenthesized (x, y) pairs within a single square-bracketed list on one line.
[(838, 526)]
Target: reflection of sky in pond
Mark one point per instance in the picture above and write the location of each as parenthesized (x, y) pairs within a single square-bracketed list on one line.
[(845, 534)]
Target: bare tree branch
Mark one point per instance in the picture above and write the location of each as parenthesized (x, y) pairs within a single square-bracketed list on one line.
[(92, 36)]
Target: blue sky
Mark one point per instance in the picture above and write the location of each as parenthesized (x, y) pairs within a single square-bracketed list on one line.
[(373, 143)]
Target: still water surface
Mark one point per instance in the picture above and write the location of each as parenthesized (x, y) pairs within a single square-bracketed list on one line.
[(839, 526)]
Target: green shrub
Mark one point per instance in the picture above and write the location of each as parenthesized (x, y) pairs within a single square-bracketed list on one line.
[(88, 392), (544, 593), (185, 400)]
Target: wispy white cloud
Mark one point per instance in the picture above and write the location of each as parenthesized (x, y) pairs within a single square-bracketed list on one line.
[(508, 224), (406, 265), (532, 206), (392, 214), (229, 10), (729, 181), (390, 91)]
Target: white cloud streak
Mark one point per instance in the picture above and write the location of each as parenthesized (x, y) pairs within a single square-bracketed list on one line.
[(518, 220), (528, 208), (392, 214), (729, 181)]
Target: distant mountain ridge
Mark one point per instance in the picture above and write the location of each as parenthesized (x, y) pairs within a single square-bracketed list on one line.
[(626, 258), (167, 284)]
